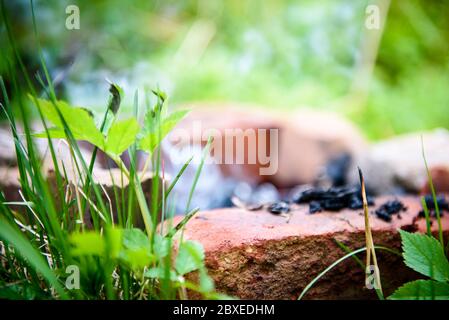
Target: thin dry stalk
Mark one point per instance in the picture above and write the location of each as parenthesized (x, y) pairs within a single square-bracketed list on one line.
[(369, 238)]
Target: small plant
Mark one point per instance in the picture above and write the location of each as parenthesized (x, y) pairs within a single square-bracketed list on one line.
[(426, 255), (47, 250), (114, 259), (421, 252), (370, 250)]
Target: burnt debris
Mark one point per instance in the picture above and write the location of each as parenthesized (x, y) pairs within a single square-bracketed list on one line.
[(389, 208), (442, 203), (337, 169), (279, 207), (332, 199)]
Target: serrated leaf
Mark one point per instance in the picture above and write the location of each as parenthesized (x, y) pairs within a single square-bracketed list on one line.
[(425, 255), (190, 257), (135, 239), (422, 290), (161, 246), (79, 121), (150, 138), (121, 136), (136, 251)]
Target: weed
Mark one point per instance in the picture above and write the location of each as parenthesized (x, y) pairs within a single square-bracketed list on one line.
[(43, 239)]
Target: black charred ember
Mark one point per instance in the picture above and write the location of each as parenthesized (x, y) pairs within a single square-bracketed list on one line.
[(332, 199), (443, 205), (389, 208), (337, 169), (279, 207)]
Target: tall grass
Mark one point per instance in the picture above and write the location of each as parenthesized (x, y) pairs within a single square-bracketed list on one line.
[(49, 235)]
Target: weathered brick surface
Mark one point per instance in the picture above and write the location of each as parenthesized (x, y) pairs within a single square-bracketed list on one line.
[(258, 255)]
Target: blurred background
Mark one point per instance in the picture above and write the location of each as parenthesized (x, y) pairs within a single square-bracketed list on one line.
[(275, 54)]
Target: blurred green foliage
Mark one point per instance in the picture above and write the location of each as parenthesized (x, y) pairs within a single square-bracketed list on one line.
[(282, 54)]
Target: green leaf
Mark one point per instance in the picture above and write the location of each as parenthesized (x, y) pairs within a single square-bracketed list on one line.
[(422, 290), (206, 282), (93, 243), (136, 251), (172, 120), (425, 255), (190, 257), (161, 246), (131, 246), (121, 136), (159, 273), (134, 239), (150, 138), (114, 241), (87, 243), (79, 121)]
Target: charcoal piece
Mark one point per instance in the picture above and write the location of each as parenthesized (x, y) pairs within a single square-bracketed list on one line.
[(332, 199), (333, 204), (279, 207), (441, 202), (386, 210), (383, 215), (341, 192), (321, 194), (309, 195), (443, 205), (356, 202), (337, 169), (393, 207), (315, 206)]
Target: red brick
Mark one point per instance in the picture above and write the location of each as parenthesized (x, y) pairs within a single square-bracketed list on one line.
[(258, 255)]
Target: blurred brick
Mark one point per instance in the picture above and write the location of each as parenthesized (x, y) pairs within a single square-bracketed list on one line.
[(307, 140), (397, 164), (440, 180)]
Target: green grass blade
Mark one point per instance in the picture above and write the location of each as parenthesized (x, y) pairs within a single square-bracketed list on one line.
[(183, 222), (198, 172), (348, 250), (426, 213), (434, 196), (336, 263), (23, 246)]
